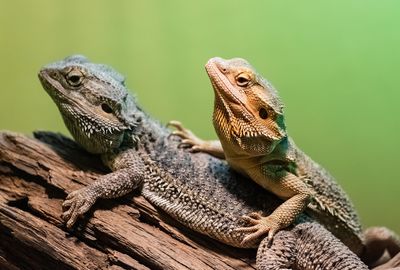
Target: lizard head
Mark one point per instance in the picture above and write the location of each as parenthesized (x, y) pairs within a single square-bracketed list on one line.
[(92, 100), (248, 114)]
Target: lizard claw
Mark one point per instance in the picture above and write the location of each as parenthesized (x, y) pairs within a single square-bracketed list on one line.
[(189, 140), (259, 225), (176, 124), (76, 204)]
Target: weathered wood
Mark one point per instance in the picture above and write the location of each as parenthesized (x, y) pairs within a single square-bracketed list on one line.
[(128, 233)]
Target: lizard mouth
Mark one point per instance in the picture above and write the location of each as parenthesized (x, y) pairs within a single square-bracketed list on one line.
[(50, 85), (234, 101), (220, 82)]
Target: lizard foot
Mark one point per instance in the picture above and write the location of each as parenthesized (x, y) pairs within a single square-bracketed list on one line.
[(259, 225), (189, 140), (76, 204)]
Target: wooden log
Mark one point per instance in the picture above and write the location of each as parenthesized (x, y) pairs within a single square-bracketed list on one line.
[(37, 173)]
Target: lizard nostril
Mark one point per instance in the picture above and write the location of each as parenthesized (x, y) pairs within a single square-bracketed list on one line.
[(53, 74)]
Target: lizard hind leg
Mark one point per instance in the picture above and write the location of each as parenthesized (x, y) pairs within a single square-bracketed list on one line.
[(317, 248), (378, 241), (279, 255)]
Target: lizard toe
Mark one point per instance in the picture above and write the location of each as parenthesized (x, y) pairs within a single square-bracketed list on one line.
[(71, 195), (67, 214), (252, 218), (259, 226), (250, 229), (178, 133), (176, 124), (255, 215), (71, 221), (252, 237), (67, 204), (84, 208)]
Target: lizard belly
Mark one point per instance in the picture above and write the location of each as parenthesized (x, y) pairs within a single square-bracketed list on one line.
[(265, 178)]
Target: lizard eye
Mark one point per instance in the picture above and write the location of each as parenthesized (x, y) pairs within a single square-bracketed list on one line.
[(75, 78), (243, 80), (263, 113), (106, 108)]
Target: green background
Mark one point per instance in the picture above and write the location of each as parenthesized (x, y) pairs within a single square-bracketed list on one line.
[(335, 63)]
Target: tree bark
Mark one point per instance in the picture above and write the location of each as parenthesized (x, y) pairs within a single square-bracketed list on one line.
[(36, 174)]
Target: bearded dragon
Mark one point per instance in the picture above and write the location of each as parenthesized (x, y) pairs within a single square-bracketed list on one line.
[(249, 121), (199, 191)]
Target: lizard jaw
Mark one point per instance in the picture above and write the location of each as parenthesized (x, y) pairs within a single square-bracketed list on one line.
[(220, 82), (230, 98), (52, 86)]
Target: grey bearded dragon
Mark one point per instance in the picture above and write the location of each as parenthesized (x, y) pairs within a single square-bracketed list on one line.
[(205, 196), (249, 121)]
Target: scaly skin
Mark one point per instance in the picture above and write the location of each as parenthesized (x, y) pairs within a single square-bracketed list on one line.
[(248, 119), (199, 191)]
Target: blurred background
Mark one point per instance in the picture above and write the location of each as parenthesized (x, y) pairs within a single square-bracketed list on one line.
[(335, 64)]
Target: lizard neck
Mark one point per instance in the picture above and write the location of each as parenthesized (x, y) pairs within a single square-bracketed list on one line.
[(148, 132), (144, 137), (283, 154)]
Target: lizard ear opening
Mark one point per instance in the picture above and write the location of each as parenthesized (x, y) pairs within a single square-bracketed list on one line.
[(106, 108), (263, 113)]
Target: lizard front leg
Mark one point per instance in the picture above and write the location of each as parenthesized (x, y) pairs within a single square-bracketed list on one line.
[(195, 144), (284, 185), (116, 184)]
